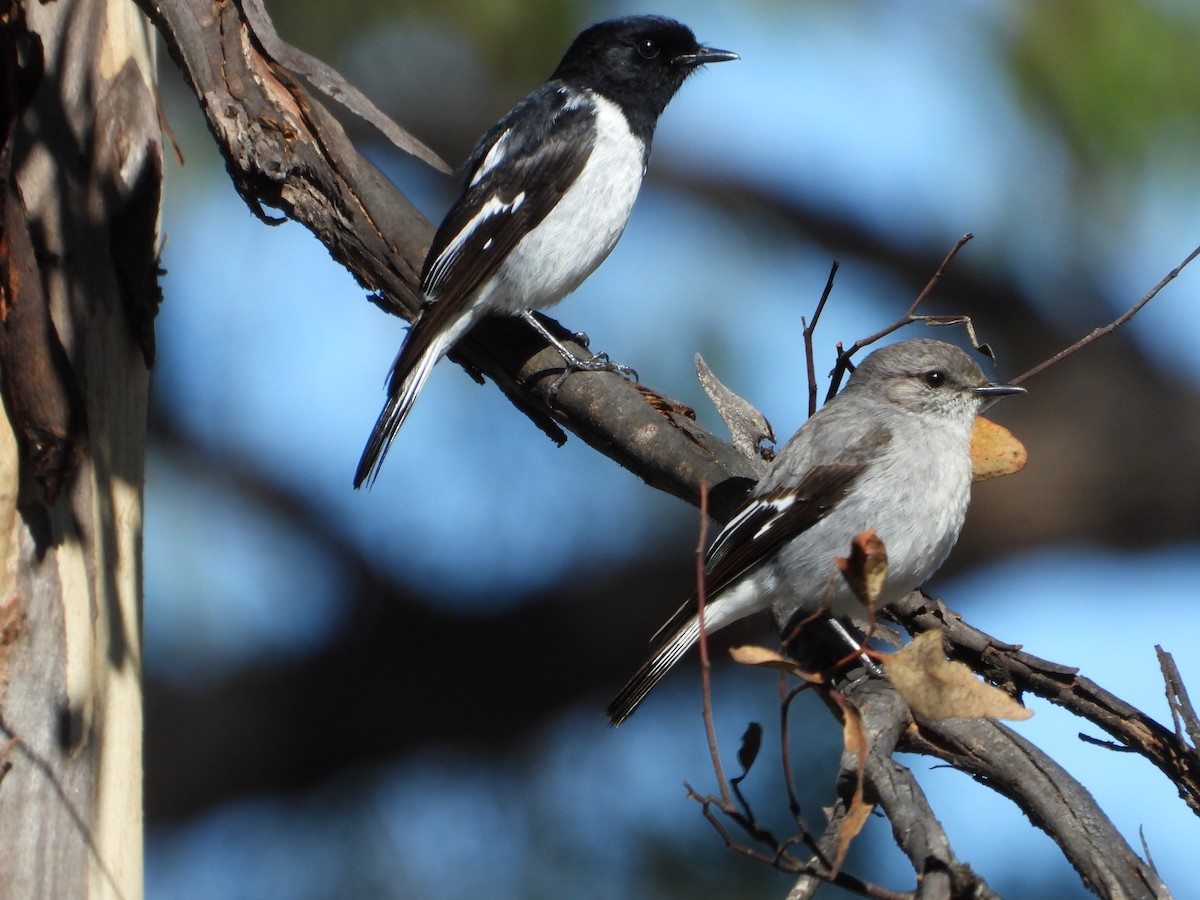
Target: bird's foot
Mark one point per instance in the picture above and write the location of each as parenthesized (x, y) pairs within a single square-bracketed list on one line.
[(598, 362), (858, 650)]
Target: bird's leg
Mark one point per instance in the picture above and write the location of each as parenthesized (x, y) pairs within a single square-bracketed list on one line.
[(858, 648), (597, 362)]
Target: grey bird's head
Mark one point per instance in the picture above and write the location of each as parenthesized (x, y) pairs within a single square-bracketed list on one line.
[(928, 377), (639, 61)]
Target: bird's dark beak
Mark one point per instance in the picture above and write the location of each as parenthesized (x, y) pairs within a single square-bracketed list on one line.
[(997, 390), (703, 56)]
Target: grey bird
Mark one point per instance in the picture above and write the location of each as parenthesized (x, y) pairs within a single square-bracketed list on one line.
[(891, 452)]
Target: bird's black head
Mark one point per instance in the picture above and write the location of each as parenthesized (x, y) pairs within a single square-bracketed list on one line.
[(639, 62)]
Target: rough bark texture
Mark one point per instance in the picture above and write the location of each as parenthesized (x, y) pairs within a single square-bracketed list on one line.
[(82, 178)]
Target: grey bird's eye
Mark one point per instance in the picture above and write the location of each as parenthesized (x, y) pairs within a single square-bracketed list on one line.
[(935, 378), (647, 48)]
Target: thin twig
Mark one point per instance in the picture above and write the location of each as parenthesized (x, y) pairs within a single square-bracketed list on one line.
[(786, 697), (843, 364), (1111, 326), (809, 328), (705, 662), (941, 271), (1107, 745), (707, 803)]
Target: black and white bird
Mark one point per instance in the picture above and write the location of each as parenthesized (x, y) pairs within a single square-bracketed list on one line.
[(891, 452), (548, 191)]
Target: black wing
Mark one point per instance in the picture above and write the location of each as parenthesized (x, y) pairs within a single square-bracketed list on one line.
[(517, 174)]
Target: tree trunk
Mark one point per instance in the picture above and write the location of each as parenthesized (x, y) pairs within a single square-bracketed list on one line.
[(81, 162)]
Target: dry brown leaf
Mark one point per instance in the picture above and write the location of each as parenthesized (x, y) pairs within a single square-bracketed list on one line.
[(748, 751), (751, 655), (856, 818), (663, 404), (994, 451), (937, 688), (854, 736), (866, 568)]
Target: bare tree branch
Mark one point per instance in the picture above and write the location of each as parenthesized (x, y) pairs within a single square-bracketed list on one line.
[(1018, 671), (994, 755), (891, 786), (1048, 795)]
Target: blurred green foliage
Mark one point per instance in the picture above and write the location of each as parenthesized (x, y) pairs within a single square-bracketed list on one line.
[(1090, 65), (517, 41), (1085, 66)]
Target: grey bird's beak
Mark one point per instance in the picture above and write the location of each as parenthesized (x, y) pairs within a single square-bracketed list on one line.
[(997, 390), (704, 56)]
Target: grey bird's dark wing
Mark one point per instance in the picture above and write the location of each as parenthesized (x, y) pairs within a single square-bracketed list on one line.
[(813, 473), (766, 523)]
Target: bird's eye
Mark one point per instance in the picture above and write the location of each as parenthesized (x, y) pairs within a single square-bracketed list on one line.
[(935, 378), (647, 48)]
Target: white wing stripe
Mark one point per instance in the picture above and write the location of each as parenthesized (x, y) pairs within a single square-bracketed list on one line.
[(495, 154), (776, 507), (493, 207)]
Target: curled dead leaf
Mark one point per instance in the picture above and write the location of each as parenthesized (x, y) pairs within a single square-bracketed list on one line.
[(751, 655), (664, 405), (854, 737), (994, 451), (748, 751), (865, 570), (937, 688)]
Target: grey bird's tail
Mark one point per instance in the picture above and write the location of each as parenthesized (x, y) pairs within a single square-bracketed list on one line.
[(660, 662)]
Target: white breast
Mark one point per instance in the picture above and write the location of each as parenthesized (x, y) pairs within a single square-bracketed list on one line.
[(579, 233), (916, 502)]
